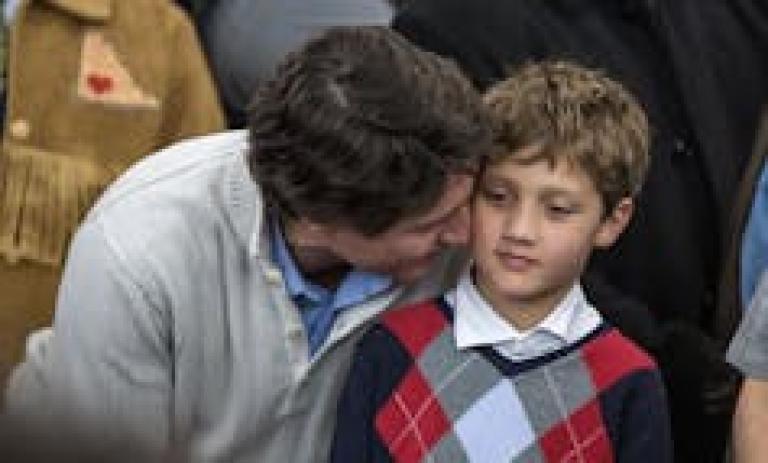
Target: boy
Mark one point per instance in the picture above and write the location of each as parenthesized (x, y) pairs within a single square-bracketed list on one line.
[(514, 364)]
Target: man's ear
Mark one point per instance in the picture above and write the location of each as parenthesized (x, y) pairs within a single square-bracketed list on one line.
[(614, 223), (305, 232)]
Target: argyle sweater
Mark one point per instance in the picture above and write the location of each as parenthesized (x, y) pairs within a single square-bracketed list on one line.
[(412, 396)]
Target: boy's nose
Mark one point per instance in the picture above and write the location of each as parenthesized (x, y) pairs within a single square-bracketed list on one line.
[(522, 224)]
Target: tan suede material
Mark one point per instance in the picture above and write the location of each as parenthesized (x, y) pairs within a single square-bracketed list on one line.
[(22, 311), (99, 92), (93, 86)]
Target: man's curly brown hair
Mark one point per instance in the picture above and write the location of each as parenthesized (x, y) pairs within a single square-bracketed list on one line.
[(361, 128)]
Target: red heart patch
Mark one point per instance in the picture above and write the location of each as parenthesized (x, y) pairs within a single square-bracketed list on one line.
[(100, 84)]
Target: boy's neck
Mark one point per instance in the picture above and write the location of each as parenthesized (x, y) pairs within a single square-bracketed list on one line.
[(524, 313)]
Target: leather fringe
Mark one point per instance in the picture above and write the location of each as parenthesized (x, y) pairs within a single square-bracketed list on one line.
[(44, 197)]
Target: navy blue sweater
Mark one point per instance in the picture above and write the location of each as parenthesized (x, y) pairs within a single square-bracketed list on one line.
[(412, 396)]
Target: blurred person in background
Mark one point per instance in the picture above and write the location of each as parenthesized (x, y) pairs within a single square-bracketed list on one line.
[(750, 232), (245, 39), (749, 353), (747, 253), (743, 290), (89, 87), (700, 69)]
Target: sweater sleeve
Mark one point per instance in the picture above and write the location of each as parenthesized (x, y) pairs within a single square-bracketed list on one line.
[(644, 432), (377, 367), (100, 387)]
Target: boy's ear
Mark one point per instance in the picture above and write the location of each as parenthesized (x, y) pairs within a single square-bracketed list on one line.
[(614, 223)]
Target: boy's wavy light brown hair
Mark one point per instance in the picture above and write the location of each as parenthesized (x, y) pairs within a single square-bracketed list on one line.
[(574, 114)]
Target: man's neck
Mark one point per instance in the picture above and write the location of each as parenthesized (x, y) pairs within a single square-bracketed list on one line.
[(317, 263)]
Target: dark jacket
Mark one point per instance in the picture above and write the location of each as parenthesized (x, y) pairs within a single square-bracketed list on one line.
[(246, 39), (699, 68)]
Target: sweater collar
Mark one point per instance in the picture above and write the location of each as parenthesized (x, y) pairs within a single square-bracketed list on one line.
[(245, 204), (97, 10)]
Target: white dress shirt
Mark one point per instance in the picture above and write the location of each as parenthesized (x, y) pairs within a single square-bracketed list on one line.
[(478, 324)]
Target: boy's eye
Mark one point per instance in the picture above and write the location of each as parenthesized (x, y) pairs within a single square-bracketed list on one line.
[(561, 211), (494, 195)]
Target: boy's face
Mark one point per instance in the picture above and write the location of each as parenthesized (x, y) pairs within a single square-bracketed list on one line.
[(532, 230)]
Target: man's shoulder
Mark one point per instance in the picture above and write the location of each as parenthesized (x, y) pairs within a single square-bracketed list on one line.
[(184, 166), (179, 195)]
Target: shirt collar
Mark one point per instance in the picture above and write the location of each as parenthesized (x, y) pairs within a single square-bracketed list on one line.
[(295, 283), (477, 324), (244, 203), (357, 285)]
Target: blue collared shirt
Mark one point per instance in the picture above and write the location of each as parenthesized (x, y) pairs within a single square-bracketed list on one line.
[(317, 304), (754, 248)]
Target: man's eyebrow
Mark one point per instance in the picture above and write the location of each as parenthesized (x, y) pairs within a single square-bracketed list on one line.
[(436, 220)]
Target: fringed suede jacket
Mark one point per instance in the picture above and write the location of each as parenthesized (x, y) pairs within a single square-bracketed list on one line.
[(92, 86)]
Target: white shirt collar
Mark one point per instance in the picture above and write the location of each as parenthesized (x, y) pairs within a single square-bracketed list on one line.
[(477, 324)]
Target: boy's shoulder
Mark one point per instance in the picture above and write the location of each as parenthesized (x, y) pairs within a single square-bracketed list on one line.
[(611, 357), (415, 325), (405, 331)]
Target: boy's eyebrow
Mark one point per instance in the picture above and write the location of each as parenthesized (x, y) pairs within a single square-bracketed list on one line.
[(556, 191), (496, 178), (547, 191)]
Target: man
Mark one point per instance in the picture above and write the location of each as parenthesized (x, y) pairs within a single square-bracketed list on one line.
[(699, 69), (207, 317)]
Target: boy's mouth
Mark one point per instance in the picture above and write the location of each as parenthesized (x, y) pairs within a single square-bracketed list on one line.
[(516, 262)]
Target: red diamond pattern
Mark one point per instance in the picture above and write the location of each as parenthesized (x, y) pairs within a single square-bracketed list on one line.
[(610, 357), (585, 441), (410, 429), (415, 337)]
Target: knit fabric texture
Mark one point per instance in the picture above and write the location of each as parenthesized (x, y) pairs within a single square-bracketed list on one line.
[(412, 396)]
